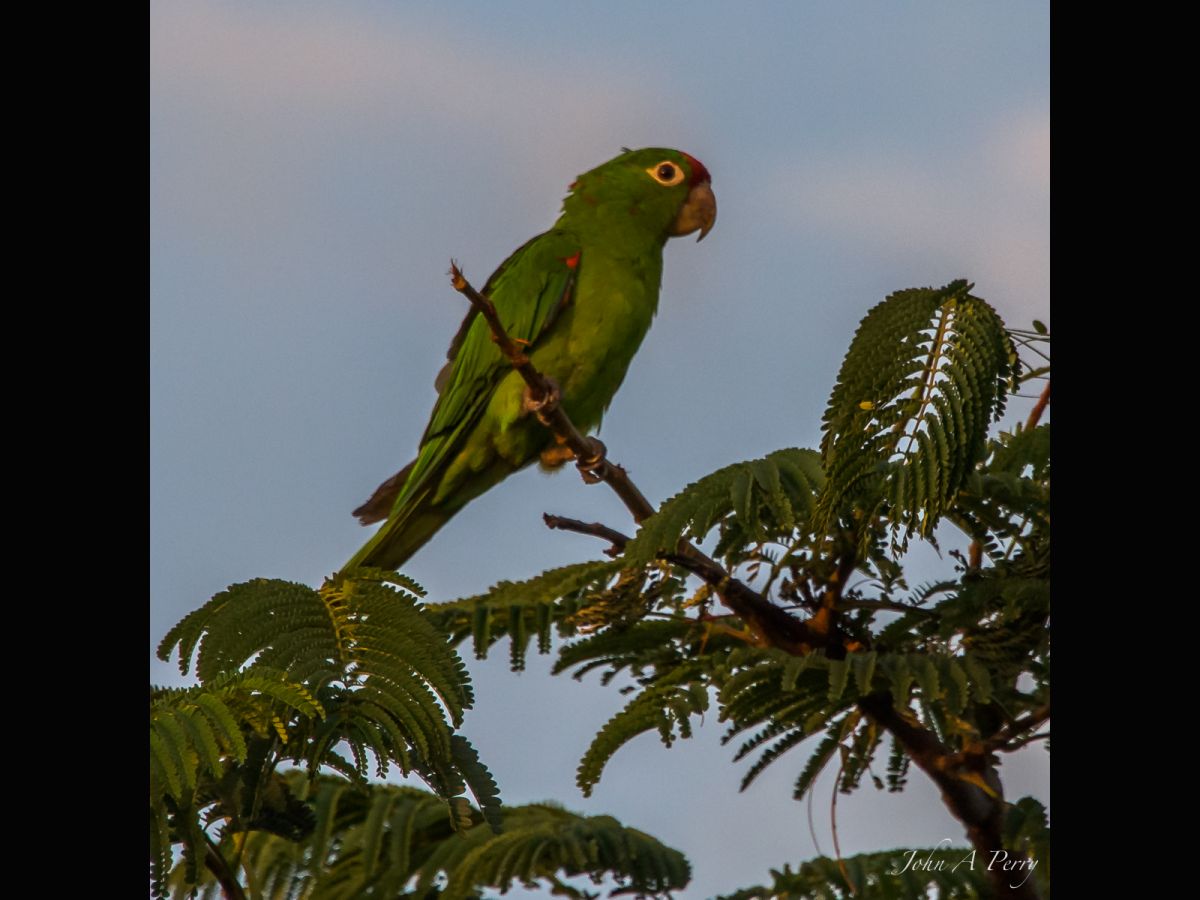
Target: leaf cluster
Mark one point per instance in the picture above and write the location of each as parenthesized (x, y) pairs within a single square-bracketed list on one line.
[(382, 840), (343, 677), (359, 676), (964, 659)]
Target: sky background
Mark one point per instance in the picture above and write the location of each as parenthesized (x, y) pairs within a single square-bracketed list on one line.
[(313, 167)]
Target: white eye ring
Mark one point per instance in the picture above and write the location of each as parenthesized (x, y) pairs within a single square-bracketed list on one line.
[(666, 173)]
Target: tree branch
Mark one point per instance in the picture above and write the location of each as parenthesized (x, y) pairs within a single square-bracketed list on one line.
[(888, 605), (1039, 407), (215, 862), (595, 529), (772, 624), (1018, 743), (969, 783), (1016, 730)]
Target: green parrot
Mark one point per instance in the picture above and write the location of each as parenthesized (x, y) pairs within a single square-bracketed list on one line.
[(580, 297)]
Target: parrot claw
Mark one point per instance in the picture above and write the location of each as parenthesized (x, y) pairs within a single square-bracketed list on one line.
[(542, 406), (592, 466), (553, 457)]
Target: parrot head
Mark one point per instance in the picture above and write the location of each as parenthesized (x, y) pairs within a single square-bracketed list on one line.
[(656, 192)]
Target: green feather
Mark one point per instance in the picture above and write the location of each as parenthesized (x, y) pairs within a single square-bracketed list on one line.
[(582, 296)]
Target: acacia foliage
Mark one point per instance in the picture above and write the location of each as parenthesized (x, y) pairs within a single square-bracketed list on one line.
[(384, 840), (351, 677), (964, 659), (361, 674), (349, 681)]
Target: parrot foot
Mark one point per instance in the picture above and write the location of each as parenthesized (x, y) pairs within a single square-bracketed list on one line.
[(541, 406), (555, 456), (592, 465)]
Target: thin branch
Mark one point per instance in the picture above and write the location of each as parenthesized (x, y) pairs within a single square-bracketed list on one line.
[(589, 452), (487, 309), (1029, 346), (888, 605), (784, 561), (772, 624), (1015, 730), (1038, 372), (1018, 743), (595, 529), (714, 625), (837, 848), (215, 862), (1039, 407), (812, 830), (975, 560), (671, 617)]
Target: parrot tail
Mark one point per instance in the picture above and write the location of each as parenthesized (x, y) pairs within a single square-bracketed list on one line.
[(406, 532), (379, 507), (410, 525)]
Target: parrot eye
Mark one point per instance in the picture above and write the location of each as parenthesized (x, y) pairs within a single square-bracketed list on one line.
[(666, 173)]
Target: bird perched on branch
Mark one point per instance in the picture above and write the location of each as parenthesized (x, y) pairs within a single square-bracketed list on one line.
[(579, 298)]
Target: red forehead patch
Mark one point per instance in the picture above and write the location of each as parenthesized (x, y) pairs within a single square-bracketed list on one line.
[(699, 173)]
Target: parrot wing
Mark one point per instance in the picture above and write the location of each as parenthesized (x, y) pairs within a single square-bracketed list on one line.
[(529, 290)]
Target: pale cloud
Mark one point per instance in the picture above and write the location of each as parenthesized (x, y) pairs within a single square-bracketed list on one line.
[(984, 214), (328, 62), (1020, 148), (281, 134)]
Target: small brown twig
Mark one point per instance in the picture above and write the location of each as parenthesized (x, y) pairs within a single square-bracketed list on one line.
[(215, 862), (837, 847), (844, 604), (1017, 743), (975, 555), (1012, 736), (595, 529), (1039, 407), (509, 347)]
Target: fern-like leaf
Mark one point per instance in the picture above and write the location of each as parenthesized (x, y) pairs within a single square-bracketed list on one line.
[(479, 779), (815, 765), (926, 374), (389, 841), (289, 672), (521, 609), (666, 705), (768, 496), (772, 753)]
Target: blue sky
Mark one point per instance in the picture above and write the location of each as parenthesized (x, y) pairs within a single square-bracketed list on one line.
[(315, 166)]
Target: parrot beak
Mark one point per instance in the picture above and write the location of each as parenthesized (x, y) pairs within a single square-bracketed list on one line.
[(699, 211)]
